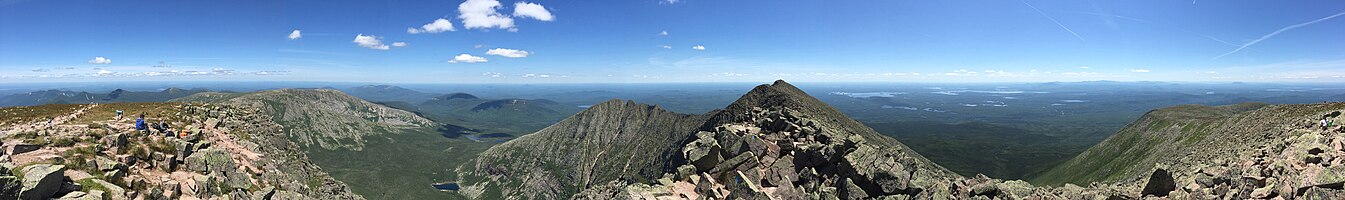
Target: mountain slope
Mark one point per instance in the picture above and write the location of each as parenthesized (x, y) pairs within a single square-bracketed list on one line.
[(323, 117), (1157, 134), (1254, 150), (1175, 133), (610, 140)]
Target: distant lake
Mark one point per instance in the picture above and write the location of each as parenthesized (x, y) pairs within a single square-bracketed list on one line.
[(447, 186)]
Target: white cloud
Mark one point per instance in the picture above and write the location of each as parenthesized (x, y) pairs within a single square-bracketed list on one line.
[(664, 33), (669, 1), (1139, 70), (467, 58), (100, 60), (512, 53), (370, 41), (536, 76), (493, 74), (698, 47), (482, 14), (294, 35), (535, 11), (399, 44), (104, 72), (666, 47), (438, 26)]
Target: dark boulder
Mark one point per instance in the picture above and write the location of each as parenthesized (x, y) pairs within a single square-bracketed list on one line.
[(1160, 183)]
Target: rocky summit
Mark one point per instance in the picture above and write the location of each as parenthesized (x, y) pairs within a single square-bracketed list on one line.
[(776, 142), (206, 151)]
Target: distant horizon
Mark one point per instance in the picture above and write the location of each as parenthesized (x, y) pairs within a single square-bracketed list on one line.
[(670, 82)]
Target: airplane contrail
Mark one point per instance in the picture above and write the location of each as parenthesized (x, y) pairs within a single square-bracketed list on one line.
[(1052, 20), (1277, 32)]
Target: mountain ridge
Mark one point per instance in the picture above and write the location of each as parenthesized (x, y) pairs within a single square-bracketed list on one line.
[(326, 118)]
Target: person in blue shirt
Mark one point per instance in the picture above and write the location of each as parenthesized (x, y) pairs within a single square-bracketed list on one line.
[(140, 123)]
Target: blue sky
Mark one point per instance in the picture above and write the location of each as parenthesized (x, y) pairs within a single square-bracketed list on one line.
[(622, 41)]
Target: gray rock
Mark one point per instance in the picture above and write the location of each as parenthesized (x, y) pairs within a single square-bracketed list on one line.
[(210, 160), (871, 168), (113, 191), (212, 123), (184, 149), (41, 181), (850, 191), (107, 164), (264, 193), (703, 152), (114, 174)]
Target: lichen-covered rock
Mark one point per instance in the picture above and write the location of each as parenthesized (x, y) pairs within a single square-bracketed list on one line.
[(704, 151), (41, 181), (210, 160)]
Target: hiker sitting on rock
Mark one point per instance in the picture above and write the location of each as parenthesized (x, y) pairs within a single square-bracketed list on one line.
[(167, 130), (140, 124), (157, 127)]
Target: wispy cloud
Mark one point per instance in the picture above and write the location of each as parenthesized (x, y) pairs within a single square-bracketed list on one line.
[(512, 53), (437, 26), (1139, 70), (1052, 20), (698, 47), (374, 42), (1277, 32)]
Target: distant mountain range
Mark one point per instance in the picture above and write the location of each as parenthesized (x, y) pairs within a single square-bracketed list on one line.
[(71, 97), (489, 116)]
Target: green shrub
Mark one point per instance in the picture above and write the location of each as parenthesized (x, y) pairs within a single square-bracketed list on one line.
[(63, 142)]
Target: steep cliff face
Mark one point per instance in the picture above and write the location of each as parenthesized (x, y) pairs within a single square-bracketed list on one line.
[(609, 141), (322, 117)]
